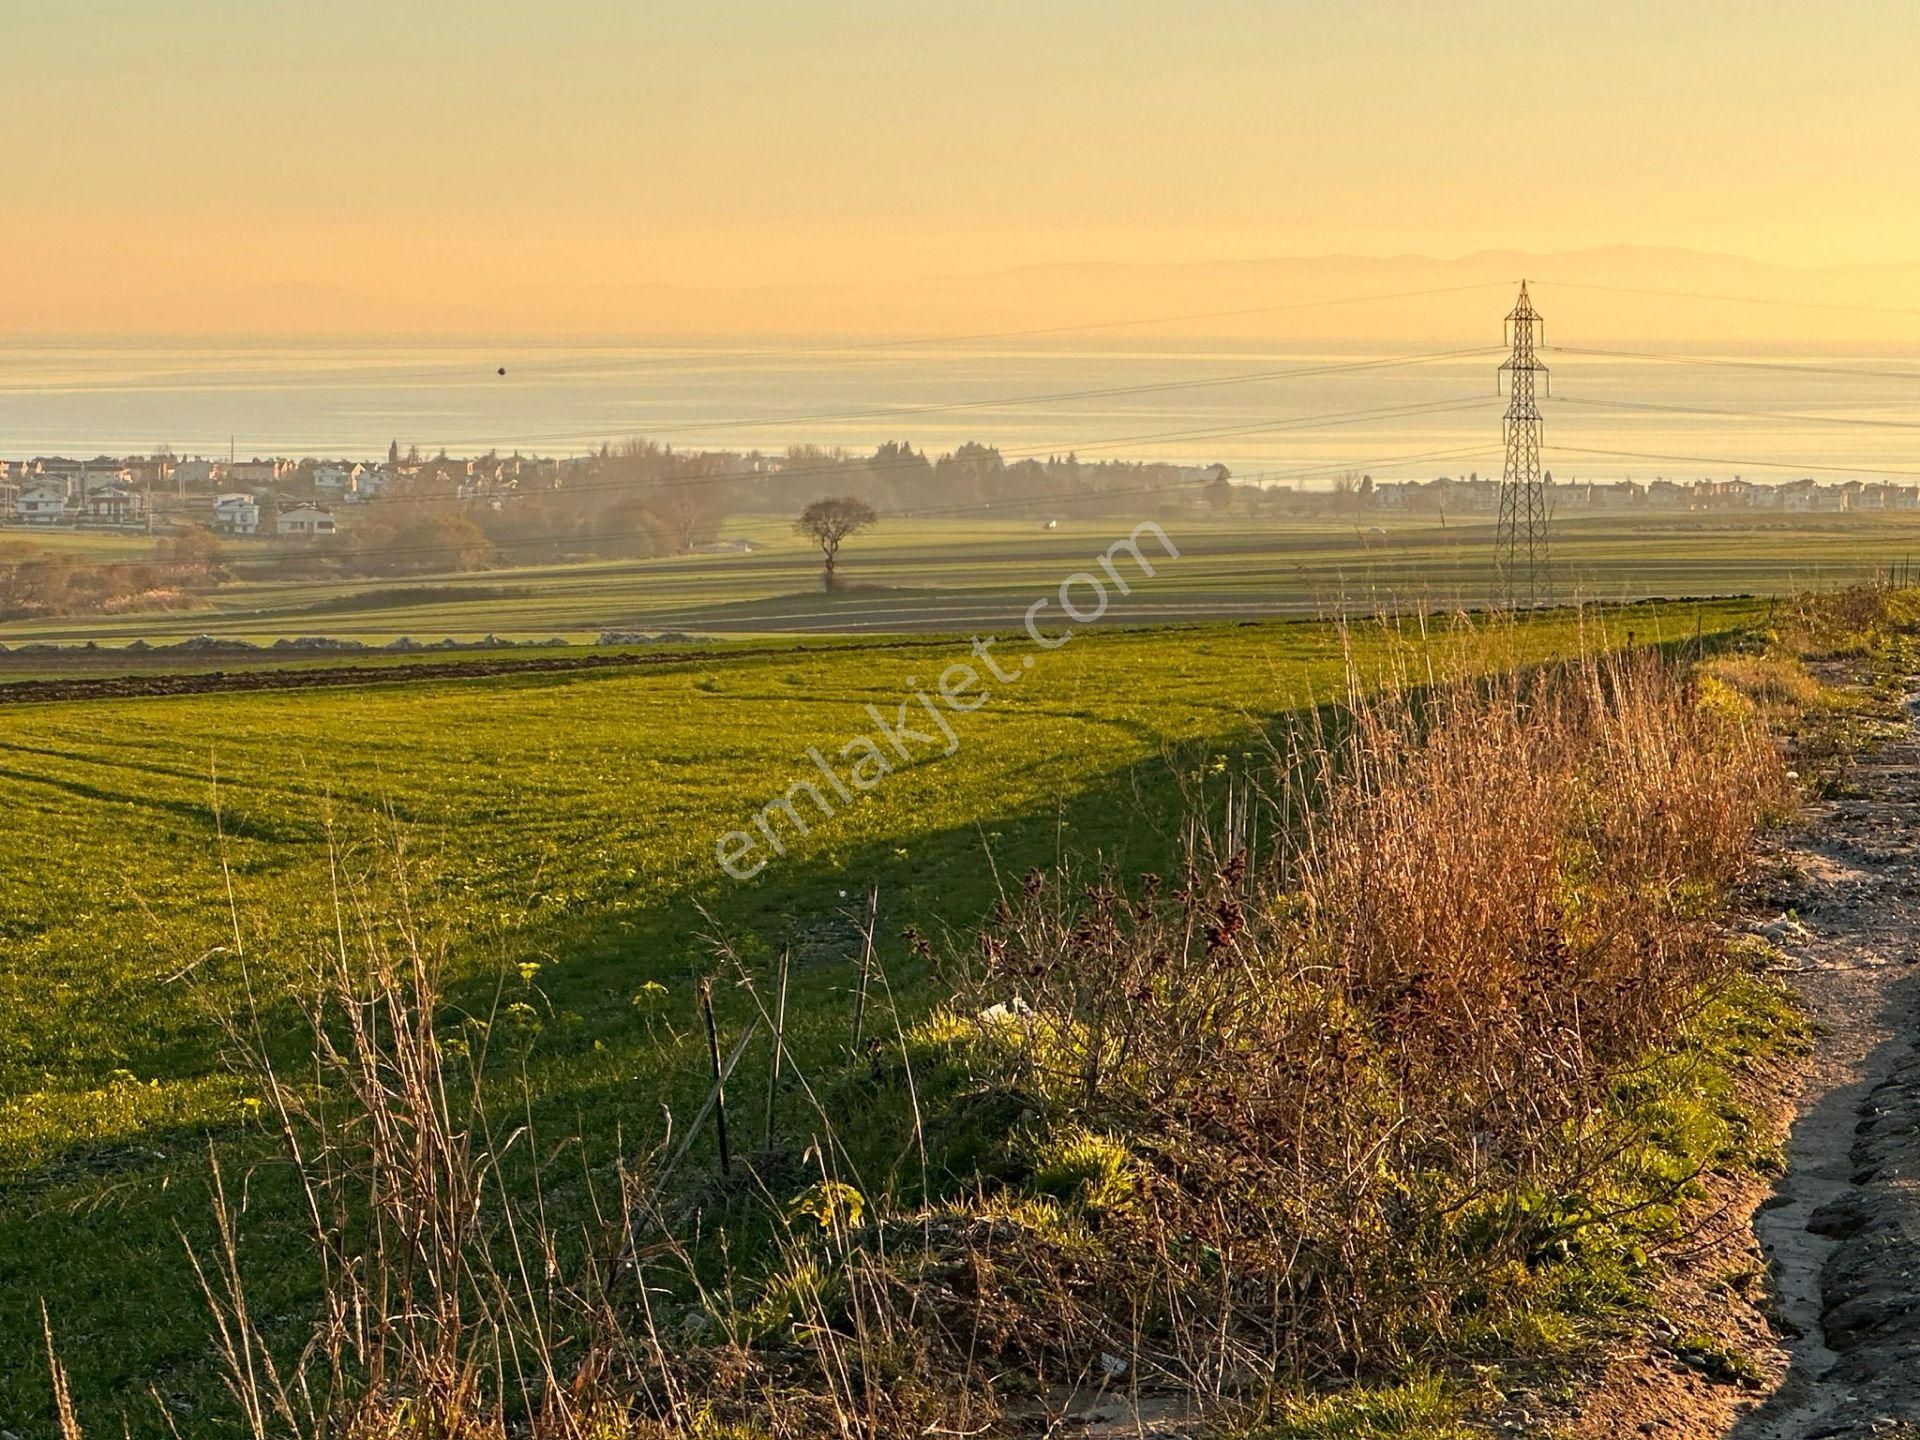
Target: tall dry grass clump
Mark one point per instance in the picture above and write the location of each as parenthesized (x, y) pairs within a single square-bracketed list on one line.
[(1854, 620), (1516, 883), (1316, 1114)]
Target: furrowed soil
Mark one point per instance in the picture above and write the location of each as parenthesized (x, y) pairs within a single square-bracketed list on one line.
[(277, 672)]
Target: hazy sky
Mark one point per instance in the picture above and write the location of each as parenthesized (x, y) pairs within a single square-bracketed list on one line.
[(425, 155)]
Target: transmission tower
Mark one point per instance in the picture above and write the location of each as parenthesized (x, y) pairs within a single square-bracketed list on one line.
[(1526, 573)]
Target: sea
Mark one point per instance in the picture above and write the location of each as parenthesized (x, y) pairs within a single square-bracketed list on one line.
[(1273, 412)]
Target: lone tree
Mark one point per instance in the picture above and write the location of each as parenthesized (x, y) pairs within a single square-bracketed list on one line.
[(828, 522)]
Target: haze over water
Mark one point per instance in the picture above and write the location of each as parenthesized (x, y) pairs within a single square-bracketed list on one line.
[(1841, 415)]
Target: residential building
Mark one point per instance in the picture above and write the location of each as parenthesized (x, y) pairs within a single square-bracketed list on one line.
[(100, 474), (196, 474), (307, 521), (115, 504), (57, 467), (237, 515), (149, 472), (43, 502), (257, 472)]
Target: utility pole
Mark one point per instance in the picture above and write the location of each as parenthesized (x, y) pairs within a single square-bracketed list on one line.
[(1520, 545)]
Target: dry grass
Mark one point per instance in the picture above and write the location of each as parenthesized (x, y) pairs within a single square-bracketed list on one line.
[(1776, 685), (1854, 621), (1318, 1106), (1311, 1105)]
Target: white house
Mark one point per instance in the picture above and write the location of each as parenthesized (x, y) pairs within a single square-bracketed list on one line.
[(336, 479), (42, 502), (237, 515), (1796, 496), (114, 504), (58, 467), (101, 475), (304, 520)]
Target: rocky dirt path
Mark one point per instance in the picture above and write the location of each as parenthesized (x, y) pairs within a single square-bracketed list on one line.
[(1842, 1234)]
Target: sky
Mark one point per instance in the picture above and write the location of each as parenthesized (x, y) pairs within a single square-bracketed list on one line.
[(505, 164)]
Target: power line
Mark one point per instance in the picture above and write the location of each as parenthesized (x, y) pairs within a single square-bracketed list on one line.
[(1865, 421), (1262, 427), (1054, 397), (1287, 307), (1206, 315), (1008, 401), (1060, 497), (1069, 497), (843, 347), (1727, 362), (863, 467), (1736, 299), (1794, 465), (1064, 498)]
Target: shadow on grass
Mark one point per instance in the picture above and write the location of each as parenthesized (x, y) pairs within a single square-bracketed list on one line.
[(97, 1230)]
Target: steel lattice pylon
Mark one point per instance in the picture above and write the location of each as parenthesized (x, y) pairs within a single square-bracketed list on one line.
[(1526, 571)]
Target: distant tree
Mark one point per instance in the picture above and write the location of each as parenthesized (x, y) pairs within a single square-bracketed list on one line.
[(899, 473), (1219, 491), (828, 522), (634, 530), (970, 475), (685, 496), (429, 542)]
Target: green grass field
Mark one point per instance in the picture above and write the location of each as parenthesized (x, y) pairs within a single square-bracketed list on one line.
[(562, 821), (913, 575), (89, 545)]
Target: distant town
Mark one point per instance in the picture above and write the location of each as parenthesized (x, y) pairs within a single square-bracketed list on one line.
[(303, 499), (313, 500)]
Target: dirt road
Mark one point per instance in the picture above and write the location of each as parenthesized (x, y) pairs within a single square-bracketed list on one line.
[(1842, 1234)]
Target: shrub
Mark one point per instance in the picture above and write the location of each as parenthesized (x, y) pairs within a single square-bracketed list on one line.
[(1356, 1093)]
